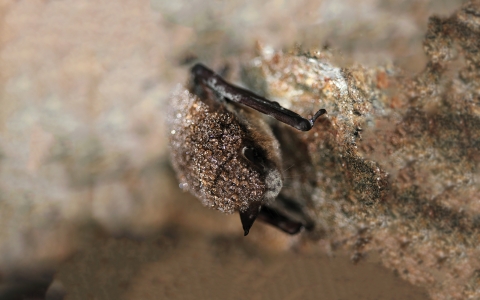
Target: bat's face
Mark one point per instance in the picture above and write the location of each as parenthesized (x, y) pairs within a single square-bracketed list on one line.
[(226, 156)]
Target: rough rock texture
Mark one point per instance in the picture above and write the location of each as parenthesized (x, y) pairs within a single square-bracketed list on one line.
[(395, 164), (83, 90)]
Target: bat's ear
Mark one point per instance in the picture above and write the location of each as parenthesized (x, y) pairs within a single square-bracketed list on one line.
[(249, 216), (281, 221)]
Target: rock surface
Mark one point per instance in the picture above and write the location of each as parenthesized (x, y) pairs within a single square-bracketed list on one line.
[(83, 90)]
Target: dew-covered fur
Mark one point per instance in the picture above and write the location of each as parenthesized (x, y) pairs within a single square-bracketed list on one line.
[(206, 146)]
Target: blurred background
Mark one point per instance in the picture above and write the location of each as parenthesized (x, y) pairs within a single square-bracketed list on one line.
[(88, 199)]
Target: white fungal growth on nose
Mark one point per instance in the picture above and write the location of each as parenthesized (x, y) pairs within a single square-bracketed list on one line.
[(274, 184)]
